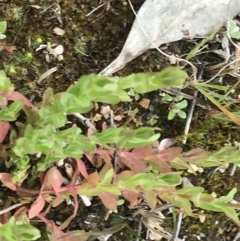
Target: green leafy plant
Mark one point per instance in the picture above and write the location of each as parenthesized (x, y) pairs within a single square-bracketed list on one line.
[(176, 107), (45, 138), (18, 229), (233, 30)]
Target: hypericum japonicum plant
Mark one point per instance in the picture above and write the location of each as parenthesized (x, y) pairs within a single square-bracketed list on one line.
[(38, 143)]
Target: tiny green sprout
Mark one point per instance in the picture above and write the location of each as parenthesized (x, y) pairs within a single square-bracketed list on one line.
[(153, 120), (39, 40), (3, 27), (29, 55), (233, 30), (176, 109), (166, 97), (11, 70), (49, 46), (120, 202)]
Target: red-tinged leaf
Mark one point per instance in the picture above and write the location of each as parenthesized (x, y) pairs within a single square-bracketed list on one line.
[(132, 161), (169, 154), (104, 125), (36, 207), (57, 201), (163, 166), (4, 128), (93, 179), (124, 174), (106, 174), (150, 197), (6, 179), (82, 168), (142, 152), (4, 99), (52, 179), (195, 155), (131, 196), (4, 217), (105, 154), (22, 209), (109, 200), (56, 234), (18, 96)]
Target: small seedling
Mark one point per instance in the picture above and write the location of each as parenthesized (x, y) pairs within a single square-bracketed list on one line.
[(176, 106), (3, 27), (233, 30), (176, 109)]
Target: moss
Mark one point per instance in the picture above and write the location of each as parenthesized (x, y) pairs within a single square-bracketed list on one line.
[(14, 13)]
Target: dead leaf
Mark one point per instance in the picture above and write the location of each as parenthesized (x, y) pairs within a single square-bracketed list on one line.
[(97, 117), (57, 51), (118, 118), (36, 207), (144, 103), (58, 31), (154, 236), (157, 23), (105, 111), (10, 48)]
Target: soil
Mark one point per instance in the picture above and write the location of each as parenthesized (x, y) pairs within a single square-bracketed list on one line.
[(92, 39)]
